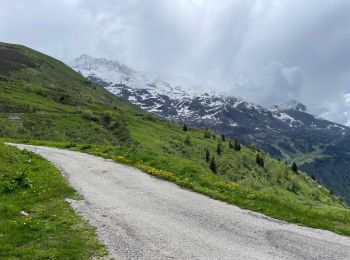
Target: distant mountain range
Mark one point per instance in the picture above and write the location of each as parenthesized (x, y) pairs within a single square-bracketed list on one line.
[(285, 131)]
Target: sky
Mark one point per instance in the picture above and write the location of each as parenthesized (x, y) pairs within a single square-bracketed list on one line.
[(265, 51)]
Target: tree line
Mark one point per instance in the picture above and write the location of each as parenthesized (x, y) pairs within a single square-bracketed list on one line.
[(232, 144)]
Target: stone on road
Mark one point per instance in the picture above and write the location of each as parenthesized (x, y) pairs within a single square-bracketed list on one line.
[(138, 216)]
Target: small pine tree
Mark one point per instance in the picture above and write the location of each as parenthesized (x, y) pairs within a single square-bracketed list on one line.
[(207, 155), (218, 149), (212, 165), (236, 145), (223, 137), (253, 147), (214, 136), (230, 144), (259, 160), (184, 128), (207, 133), (294, 167)]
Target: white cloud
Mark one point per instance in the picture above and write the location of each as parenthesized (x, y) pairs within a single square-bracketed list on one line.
[(275, 84), (338, 111), (209, 40)]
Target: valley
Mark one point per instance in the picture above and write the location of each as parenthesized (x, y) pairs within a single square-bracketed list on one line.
[(44, 102), (285, 131)]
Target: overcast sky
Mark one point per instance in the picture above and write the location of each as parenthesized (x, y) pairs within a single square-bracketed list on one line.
[(266, 51)]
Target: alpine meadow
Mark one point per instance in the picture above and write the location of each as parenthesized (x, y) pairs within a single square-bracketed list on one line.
[(200, 147)]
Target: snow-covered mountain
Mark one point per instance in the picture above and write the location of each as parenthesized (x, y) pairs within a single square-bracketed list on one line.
[(113, 73), (284, 130), (183, 100)]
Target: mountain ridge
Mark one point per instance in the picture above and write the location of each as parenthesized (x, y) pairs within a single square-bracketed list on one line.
[(111, 83), (285, 131), (51, 104)]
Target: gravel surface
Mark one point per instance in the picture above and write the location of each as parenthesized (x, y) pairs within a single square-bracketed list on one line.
[(141, 217)]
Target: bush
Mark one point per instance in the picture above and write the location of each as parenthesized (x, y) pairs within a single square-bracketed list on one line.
[(21, 180), (9, 183), (316, 194), (87, 114), (184, 128), (259, 160), (230, 144), (70, 145), (207, 133), (236, 145), (293, 186), (86, 146), (107, 117), (252, 147), (150, 117)]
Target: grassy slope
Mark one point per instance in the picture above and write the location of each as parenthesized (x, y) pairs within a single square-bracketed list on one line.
[(34, 111), (52, 230)]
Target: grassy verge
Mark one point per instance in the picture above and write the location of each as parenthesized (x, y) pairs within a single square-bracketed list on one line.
[(49, 228), (296, 207)]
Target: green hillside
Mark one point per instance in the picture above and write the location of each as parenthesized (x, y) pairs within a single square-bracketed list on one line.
[(47, 228), (42, 101)]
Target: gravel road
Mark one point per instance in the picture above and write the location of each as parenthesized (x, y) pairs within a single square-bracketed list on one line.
[(141, 217)]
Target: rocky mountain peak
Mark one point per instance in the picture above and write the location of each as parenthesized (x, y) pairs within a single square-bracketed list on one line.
[(290, 105), (88, 63)]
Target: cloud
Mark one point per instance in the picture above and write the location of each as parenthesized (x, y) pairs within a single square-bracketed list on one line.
[(338, 111), (279, 49), (280, 83), (275, 84)]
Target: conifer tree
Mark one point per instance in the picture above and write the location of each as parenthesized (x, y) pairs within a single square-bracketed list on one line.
[(223, 137), (207, 155), (294, 167), (207, 133), (212, 165), (253, 147), (214, 136), (218, 149), (230, 144), (259, 160), (184, 128), (236, 145)]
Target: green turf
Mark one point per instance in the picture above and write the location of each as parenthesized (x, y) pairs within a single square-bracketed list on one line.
[(51, 230)]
